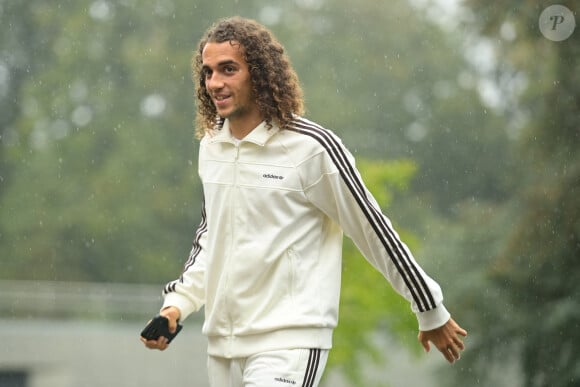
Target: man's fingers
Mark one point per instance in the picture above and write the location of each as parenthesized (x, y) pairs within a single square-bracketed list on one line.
[(172, 325), (424, 342), (173, 315), (459, 343), (160, 343), (448, 355), (451, 353)]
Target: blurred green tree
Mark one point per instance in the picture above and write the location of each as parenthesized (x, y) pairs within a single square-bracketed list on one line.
[(368, 304), (401, 87), (97, 159), (529, 324), (100, 146)]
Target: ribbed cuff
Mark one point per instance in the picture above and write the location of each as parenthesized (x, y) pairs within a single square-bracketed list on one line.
[(433, 318), (180, 302)]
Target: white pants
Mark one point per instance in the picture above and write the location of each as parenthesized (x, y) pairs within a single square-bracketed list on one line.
[(284, 368)]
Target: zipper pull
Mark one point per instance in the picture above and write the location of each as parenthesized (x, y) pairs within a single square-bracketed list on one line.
[(237, 151)]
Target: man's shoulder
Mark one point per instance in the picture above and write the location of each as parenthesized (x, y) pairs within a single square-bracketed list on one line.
[(305, 131), (303, 125)]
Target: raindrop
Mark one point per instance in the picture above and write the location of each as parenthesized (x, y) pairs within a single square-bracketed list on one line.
[(164, 8), (100, 10), (309, 4), (153, 105), (82, 115), (270, 15), (490, 93), (466, 80), (443, 89), (30, 106), (59, 129), (416, 131), (78, 91), (508, 31), (39, 136), (63, 46), (412, 102), (128, 3), (4, 79), (10, 137)]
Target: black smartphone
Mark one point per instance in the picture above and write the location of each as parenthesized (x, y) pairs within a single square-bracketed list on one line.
[(157, 327)]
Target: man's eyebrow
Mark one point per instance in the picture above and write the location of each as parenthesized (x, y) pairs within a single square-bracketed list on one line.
[(222, 63), (227, 62)]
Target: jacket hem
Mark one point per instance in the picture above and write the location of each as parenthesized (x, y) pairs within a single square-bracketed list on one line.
[(291, 338)]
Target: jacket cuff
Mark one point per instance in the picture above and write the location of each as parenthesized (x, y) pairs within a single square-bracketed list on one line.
[(433, 318), (180, 302)]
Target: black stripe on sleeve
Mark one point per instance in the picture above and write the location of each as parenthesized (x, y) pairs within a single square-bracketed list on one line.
[(195, 250), (393, 245)]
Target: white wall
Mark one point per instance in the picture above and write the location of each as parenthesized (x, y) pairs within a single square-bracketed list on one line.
[(100, 354), (87, 335)]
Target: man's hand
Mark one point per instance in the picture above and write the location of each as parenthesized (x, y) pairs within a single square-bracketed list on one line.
[(446, 338), (172, 314)]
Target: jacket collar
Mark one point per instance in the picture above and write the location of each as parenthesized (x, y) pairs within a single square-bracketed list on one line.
[(259, 135)]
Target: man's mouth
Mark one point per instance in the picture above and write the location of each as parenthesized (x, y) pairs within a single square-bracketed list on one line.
[(220, 98)]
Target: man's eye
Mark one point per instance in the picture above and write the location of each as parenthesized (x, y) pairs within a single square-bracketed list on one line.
[(229, 69)]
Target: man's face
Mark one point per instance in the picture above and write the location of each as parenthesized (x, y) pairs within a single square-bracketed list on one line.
[(228, 82)]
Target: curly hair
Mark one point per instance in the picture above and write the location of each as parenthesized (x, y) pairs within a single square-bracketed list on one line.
[(274, 81)]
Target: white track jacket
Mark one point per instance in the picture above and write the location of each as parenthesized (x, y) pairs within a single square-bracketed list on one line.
[(266, 258)]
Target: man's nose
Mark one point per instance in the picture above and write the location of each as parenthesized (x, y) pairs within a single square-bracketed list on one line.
[(214, 82)]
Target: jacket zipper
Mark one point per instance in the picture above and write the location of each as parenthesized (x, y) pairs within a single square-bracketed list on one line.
[(232, 231)]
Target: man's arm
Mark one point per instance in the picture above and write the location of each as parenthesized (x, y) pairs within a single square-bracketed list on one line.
[(340, 192), (187, 293), (334, 185)]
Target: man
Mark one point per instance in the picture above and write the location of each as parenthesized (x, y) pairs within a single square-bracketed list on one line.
[(279, 191)]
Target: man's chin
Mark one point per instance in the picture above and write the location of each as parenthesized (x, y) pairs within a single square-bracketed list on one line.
[(224, 113)]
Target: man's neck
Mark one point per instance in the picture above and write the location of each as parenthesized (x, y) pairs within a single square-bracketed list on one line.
[(241, 129)]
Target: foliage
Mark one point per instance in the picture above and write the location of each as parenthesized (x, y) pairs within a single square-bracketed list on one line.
[(368, 303), (532, 321), (82, 145), (397, 80), (97, 158)]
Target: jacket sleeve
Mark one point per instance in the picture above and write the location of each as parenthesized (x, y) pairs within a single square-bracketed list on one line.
[(187, 293), (335, 186)]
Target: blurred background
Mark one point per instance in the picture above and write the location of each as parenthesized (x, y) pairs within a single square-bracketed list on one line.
[(464, 117)]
